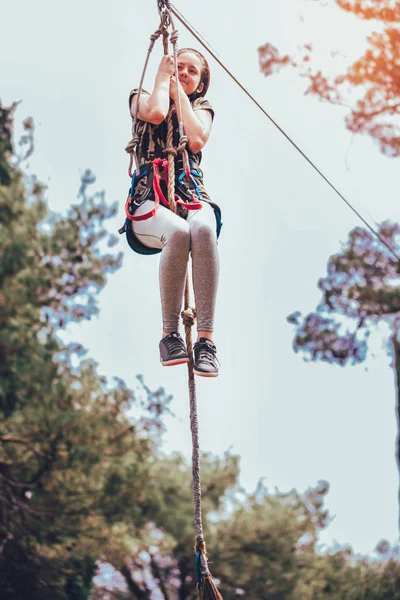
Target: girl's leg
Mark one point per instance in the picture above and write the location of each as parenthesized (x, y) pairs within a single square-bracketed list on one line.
[(169, 232), (205, 266)]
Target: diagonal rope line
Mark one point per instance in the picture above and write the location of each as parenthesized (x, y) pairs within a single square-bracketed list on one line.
[(198, 32), (205, 45)]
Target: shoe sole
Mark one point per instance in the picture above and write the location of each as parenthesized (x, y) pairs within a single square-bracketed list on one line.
[(203, 374), (177, 361)]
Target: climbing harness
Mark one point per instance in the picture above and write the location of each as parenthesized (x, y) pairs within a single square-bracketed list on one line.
[(155, 175), (163, 182), (157, 164)]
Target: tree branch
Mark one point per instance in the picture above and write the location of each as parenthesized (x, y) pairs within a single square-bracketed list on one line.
[(184, 589), (16, 439), (369, 115), (134, 588), (396, 361), (158, 575), (49, 460), (17, 484)]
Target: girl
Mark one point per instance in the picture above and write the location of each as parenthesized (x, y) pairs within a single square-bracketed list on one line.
[(175, 237)]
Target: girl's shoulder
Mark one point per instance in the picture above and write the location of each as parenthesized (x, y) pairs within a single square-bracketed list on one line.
[(134, 92), (202, 104)]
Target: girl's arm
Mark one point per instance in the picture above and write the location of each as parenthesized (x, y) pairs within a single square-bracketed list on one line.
[(197, 124), (154, 108)]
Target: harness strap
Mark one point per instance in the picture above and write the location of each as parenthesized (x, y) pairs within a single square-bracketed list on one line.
[(195, 204), (157, 162)]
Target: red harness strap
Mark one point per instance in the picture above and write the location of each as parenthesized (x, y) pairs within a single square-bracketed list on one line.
[(159, 196), (158, 193)]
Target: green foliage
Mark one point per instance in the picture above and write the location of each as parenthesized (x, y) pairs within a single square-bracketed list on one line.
[(51, 269), (340, 574), (263, 545), (6, 120), (84, 485), (72, 463)]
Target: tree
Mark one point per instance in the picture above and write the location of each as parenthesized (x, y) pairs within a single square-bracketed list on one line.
[(264, 544), (70, 458), (83, 483), (359, 290), (371, 86), (340, 574), (163, 557), (80, 480)]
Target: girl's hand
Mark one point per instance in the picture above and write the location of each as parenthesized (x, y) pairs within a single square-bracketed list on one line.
[(167, 67), (174, 84)]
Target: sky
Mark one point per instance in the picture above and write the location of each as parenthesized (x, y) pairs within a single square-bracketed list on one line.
[(292, 422)]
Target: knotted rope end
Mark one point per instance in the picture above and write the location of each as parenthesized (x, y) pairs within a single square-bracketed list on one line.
[(206, 586), (208, 590), (188, 317)]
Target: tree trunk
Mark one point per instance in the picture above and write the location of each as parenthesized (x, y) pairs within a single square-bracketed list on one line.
[(158, 575), (134, 588), (185, 588), (396, 356)]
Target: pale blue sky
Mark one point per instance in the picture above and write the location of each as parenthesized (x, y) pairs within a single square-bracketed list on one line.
[(291, 422)]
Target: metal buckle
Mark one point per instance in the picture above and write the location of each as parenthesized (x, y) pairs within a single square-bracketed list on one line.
[(139, 201)]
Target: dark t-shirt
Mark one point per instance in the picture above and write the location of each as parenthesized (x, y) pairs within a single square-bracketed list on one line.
[(153, 143), (153, 138)]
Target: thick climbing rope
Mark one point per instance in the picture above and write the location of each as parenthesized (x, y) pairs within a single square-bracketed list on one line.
[(131, 147), (206, 587)]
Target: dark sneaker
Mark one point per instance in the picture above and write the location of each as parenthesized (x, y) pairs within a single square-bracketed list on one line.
[(205, 358), (172, 350)]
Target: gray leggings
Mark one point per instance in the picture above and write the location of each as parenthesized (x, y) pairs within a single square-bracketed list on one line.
[(177, 237)]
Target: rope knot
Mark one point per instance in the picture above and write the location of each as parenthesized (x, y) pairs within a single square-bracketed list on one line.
[(154, 36), (183, 140), (132, 144), (200, 545), (188, 317), (172, 151)]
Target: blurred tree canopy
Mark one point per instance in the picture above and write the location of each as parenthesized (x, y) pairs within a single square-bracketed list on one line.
[(70, 458), (371, 85), (90, 508), (360, 290)]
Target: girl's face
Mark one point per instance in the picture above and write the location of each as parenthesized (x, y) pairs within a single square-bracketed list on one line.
[(189, 72)]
